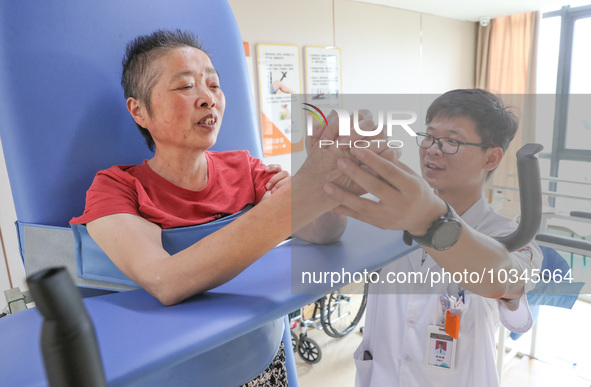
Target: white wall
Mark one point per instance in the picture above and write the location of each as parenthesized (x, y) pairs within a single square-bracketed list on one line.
[(448, 54), (384, 51), (380, 48)]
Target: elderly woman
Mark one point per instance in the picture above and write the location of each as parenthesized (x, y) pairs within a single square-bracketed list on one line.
[(173, 94)]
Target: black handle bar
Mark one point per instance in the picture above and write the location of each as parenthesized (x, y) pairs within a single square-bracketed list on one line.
[(530, 197), (68, 341)]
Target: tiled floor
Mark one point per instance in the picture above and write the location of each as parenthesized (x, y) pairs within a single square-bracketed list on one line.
[(563, 347), (564, 341)]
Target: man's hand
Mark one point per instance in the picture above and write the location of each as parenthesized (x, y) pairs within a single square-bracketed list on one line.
[(406, 202)]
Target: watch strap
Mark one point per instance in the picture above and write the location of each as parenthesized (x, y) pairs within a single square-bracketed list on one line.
[(425, 240), (407, 238)]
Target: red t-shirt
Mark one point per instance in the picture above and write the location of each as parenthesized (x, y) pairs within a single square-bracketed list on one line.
[(236, 179)]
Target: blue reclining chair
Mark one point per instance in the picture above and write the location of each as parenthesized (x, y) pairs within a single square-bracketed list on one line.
[(63, 114)]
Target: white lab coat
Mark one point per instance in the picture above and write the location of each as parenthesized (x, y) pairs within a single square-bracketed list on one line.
[(398, 315)]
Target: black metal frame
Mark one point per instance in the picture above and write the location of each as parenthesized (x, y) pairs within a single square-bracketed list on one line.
[(559, 150)]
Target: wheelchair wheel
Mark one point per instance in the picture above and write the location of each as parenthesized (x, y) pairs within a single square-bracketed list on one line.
[(309, 350), (294, 341), (342, 309)]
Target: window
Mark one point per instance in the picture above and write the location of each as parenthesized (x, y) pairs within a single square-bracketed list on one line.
[(564, 61)]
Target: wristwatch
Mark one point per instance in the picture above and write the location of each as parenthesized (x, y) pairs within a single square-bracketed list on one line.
[(444, 232)]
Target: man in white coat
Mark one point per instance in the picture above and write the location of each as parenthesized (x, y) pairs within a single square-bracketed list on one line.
[(445, 212)]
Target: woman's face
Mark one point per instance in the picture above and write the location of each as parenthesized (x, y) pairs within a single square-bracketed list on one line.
[(187, 103)]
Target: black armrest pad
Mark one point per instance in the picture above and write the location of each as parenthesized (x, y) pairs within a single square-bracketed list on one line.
[(564, 241), (581, 214)]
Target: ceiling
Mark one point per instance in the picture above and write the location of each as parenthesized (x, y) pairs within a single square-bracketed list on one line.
[(473, 10)]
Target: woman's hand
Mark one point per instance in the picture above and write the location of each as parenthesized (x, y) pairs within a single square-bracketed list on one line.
[(322, 158), (278, 179)]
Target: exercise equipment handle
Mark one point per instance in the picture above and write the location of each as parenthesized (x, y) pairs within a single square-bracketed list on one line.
[(68, 342), (530, 197)]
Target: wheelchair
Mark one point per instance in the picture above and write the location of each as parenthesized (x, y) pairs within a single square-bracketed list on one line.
[(337, 314)]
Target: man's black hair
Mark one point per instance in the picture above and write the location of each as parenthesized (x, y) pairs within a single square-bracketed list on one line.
[(495, 123)]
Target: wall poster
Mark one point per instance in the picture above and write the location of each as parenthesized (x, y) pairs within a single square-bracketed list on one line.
[(323, 75), (279, 77)]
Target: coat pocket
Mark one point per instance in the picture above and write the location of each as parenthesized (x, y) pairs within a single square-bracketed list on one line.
[(364, 366)]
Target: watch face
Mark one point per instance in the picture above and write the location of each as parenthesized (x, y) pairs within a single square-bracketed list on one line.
[(447, 234)]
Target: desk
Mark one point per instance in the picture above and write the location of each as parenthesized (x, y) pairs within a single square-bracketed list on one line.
[(137, 335)]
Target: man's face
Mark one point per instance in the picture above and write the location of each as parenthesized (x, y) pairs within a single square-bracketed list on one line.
[(187, 103), (462, 171)]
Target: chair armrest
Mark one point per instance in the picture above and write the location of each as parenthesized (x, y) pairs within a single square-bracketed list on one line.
[(581, 214), (575, 245)]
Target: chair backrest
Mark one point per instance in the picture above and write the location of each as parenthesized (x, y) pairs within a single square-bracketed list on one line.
[(62, 110)]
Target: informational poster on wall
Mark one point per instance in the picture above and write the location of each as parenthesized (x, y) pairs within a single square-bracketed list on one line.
[(279, 77), (323, 75)]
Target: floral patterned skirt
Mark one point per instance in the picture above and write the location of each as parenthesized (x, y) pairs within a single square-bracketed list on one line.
[(275, 375)]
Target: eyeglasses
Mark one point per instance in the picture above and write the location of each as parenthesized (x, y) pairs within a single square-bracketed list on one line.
[(446, 145)]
